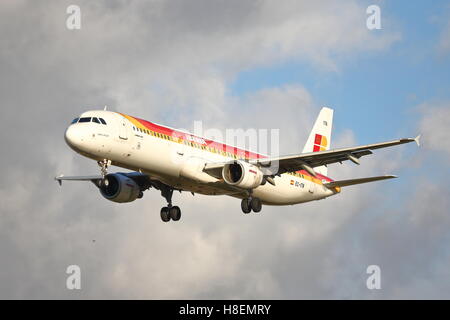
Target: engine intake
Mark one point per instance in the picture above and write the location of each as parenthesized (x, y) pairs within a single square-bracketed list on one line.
[(119, 188), (242, 174)]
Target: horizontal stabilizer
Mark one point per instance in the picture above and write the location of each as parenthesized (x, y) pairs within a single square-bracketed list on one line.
[(350, 182)]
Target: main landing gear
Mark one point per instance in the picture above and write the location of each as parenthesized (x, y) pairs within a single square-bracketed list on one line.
[(170, 212), (249, 204)]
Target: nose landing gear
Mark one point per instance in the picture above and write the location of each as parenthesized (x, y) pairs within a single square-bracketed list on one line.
[(103, 164)]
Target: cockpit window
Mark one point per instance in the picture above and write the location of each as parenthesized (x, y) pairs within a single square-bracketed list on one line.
[(102, 120), (74, 120), (95, 120), (85, 120)]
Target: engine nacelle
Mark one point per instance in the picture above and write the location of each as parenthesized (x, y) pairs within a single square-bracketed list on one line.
[(119, 188), (242, 174)]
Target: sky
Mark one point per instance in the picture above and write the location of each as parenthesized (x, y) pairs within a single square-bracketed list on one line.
[(230, 64)]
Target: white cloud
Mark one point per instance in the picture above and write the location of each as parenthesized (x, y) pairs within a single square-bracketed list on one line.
[(434, 126)]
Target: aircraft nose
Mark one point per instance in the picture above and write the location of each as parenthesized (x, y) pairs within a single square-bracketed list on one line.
[(72, 137)]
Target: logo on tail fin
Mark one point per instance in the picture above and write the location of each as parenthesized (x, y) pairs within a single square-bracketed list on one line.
[(320, 143)]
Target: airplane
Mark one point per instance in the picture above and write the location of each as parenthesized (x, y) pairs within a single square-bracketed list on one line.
[(171, 160)]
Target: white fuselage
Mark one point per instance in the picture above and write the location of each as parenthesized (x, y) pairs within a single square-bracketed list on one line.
[(177, 162)]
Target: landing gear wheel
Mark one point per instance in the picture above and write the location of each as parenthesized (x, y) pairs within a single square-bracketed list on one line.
[(256, 204), (175, 213), (165, 215), (245, 205), (104, 182)]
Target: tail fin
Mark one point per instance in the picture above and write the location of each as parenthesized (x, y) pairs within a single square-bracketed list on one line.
[(320, 137)]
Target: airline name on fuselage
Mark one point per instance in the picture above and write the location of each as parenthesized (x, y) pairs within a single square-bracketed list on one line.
[(196, 139)]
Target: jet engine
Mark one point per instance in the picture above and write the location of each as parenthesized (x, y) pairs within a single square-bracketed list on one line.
[(119, 188), (242, 174)]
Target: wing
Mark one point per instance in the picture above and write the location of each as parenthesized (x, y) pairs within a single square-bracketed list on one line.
[(94, 178), (307, 161)]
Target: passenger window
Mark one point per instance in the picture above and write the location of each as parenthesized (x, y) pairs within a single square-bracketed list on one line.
[(95, 120), (74, 120), (85, 120), (102, 120)]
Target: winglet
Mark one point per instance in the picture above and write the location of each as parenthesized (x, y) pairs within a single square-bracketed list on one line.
[(417, 140), (59, 180)]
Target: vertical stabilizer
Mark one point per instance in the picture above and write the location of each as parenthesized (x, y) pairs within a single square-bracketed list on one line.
[(320, 137)]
